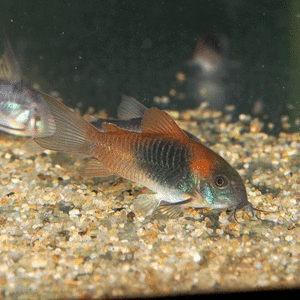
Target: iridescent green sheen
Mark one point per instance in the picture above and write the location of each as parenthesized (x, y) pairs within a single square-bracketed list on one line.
[(207, 194), (13, 106), (187, 183)]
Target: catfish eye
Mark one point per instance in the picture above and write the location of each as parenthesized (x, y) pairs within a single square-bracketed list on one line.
[(221, 181)]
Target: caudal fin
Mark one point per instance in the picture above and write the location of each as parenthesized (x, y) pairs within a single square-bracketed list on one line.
[(9, 67), (69, 132)]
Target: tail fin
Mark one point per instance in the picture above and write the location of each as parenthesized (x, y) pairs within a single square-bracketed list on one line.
[(69, 132), (9, 67)]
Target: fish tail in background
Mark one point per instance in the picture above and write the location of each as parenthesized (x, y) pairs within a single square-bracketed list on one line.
[(71, 133), (9, 67)]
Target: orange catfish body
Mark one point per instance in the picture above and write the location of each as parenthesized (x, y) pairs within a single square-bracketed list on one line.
[(162, 157)]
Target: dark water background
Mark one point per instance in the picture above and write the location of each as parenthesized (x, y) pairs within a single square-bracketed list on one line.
[(94, 51)]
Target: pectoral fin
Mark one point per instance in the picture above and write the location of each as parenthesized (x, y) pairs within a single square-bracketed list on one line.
[(170, 210), (151, 205), (146, 204)]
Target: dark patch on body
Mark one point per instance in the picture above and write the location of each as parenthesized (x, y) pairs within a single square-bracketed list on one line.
[(164, 161)]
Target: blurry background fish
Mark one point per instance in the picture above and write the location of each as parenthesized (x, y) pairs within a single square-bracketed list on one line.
[(210, 64), (23, 111), (210, 55)]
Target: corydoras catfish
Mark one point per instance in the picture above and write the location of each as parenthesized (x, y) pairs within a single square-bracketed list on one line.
[(181, 171), (23, 111)]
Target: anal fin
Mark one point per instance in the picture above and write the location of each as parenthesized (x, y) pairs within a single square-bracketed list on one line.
[(94, 168)]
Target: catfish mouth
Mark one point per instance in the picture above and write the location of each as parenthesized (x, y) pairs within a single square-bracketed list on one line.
[(241, 206), (248, 204)]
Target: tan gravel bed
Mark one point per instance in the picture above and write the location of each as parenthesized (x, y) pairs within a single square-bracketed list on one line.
[(65, 236)]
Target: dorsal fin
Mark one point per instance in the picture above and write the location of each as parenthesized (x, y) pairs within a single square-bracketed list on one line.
[(158, 121), (9, 67), (130, 108)]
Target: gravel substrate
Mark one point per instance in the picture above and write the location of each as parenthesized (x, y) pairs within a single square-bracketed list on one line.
[(65, 236)]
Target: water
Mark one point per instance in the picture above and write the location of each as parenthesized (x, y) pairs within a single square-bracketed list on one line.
[(92, 53), (74, 236)]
